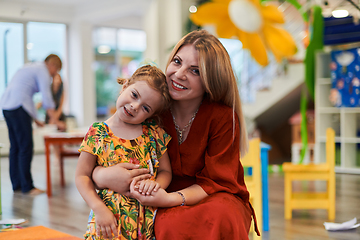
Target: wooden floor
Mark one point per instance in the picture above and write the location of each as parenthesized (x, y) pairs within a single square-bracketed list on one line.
[(67, 212)]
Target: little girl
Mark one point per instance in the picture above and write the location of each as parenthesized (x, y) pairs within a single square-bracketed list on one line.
[(127, 136)]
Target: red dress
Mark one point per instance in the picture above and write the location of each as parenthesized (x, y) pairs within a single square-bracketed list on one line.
[(208, 157)]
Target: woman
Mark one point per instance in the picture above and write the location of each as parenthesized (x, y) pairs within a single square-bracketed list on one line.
[(57, 89), (207, 198)]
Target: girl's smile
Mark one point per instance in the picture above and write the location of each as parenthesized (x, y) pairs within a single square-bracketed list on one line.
[(137, 102), (127, 112)]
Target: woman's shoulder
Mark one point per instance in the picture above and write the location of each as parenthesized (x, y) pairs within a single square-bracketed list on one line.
[(217, 110)]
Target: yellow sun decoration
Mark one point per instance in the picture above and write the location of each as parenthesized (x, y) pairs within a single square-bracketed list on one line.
[(256, 25)]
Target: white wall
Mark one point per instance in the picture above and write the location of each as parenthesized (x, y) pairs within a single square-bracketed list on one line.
[(162, 20), (81, 80), (164, 24)]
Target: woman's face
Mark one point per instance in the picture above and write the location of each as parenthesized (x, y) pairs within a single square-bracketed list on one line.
[(183, 75)]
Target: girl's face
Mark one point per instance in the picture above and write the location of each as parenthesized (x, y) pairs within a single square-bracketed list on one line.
[(137, 102), (183, 75)]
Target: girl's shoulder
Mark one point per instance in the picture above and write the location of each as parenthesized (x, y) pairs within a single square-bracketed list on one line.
[(98, 127), (152, 128), (150, 125)]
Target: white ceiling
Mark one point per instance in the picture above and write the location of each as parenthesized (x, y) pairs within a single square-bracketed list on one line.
[(115, 12), (329, 5), (98, 12)]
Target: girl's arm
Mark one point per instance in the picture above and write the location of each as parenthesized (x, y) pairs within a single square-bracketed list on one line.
[(105, 219)]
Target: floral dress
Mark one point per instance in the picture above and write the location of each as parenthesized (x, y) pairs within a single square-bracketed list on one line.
[(134, 220)]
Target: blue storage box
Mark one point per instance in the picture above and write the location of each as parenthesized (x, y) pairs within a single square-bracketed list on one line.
[(341, 31)]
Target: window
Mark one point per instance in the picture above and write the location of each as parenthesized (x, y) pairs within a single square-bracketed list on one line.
[(118, 53), (44, 39), (11, 51), (40, 40)]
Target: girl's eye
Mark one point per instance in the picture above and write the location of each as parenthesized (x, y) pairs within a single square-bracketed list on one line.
[(134, 94), (146, 109)]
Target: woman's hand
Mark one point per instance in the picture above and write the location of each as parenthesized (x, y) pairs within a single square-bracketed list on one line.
[(39, 123), (160, 198), (119, 177)]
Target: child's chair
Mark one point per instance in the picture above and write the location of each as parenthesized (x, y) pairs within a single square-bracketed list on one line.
[(323, 171), (253, 182)]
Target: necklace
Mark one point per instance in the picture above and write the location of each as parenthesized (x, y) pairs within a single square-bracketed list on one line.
[(181, 131)]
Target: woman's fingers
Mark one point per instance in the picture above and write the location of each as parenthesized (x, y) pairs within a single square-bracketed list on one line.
[(140, 172), (138, 177), (132, 186)]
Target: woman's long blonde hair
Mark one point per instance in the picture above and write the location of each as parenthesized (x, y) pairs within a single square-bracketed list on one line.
[(217, 75)]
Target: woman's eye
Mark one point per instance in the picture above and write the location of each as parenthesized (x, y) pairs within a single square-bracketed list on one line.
[(176, 61), (134, 94), (195, 71)]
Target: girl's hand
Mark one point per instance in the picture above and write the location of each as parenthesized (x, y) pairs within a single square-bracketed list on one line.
[(147, 187), (106, 224)]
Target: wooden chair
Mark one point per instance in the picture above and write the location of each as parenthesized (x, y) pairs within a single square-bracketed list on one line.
[(253, 181), (64, 153), (324, 171)]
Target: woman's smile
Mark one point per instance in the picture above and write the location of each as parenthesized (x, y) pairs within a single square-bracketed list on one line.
[(177, 86)]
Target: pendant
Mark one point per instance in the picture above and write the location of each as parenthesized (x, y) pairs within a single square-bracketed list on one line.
[(180, 137)]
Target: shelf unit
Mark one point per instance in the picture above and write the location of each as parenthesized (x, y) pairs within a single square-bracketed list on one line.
[(345, 121)]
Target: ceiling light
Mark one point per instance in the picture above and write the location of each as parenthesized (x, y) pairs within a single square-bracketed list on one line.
[(29, 46), (193, 9), (103, 49), (341, 13)]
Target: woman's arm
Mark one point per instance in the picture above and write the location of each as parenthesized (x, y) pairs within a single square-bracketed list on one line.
[(57, 83), (164, 174), (58, 111), (119, 176), (161, 198), (163, 177), (105, 219)]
